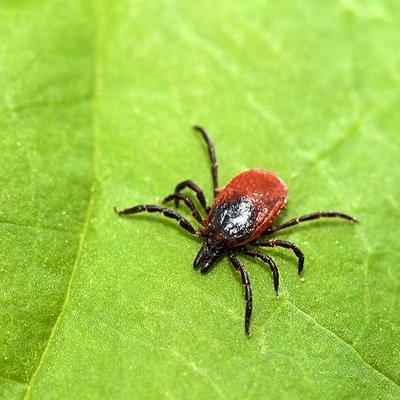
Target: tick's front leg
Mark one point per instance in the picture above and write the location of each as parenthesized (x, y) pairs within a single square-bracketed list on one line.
[(247, 290), (151, 208), (196, 189)]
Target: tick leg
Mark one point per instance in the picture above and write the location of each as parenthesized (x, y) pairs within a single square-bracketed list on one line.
[(191, 185), (247, 289), (184, 223), (213, 158), (286, 245), (189, 203), (309, 217), (266, 259)]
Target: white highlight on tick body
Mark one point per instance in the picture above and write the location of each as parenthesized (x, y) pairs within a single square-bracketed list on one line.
[(238, 220)]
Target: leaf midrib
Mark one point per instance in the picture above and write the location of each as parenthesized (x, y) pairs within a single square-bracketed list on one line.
[(83, 234)]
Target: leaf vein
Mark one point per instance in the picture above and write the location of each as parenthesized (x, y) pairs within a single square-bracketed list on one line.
[(38, 227), (83, 234), (14, 380), (46, 103), (347, 344)]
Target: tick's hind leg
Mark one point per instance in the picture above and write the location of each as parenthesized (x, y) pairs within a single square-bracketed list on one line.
[(188, 202), (196, 189), (247, 289), (184, 223), (309, 217), (268, 260), (213, 157), (286, 245)]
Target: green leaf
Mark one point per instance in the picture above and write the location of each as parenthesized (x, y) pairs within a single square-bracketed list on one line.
[(96, 106)]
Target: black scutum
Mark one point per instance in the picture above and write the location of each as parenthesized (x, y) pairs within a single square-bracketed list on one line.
[(232, 222)]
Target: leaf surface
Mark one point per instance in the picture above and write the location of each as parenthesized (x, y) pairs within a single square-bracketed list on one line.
[(96, 107)]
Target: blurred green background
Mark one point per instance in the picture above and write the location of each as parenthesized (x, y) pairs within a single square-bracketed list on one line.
[(96, 105)]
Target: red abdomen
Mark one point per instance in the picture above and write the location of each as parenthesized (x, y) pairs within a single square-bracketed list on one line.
[(246, 206)]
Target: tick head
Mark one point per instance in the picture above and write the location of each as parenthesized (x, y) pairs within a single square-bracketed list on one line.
[(208, 254)]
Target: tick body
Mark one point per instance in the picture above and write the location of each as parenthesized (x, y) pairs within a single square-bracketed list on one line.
[(245, 207), (242, 213)]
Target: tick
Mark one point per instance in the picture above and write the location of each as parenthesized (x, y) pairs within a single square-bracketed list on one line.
[(243, 211)]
